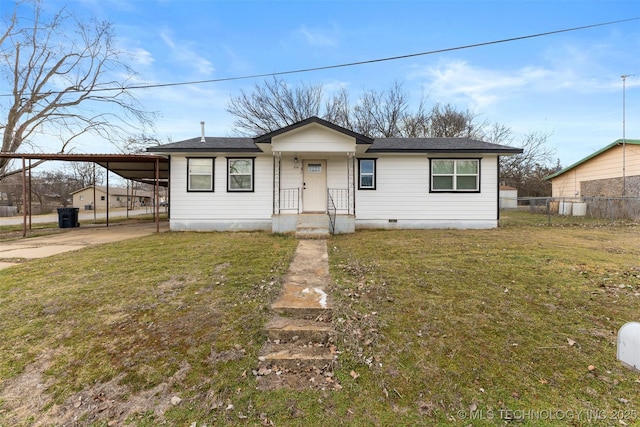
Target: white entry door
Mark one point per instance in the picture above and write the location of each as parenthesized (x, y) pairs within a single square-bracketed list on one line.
[(314, 189)]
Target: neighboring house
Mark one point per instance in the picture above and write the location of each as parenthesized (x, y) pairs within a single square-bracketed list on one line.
[(118, 198), (508, 197), (317, 167), (613, 171)]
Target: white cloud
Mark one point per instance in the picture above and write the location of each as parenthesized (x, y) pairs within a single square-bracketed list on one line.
[(141, 56), (319, 37), (480, 87), (186, 55)]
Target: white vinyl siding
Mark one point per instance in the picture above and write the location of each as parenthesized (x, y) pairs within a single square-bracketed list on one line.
[(203, 207), (402, 193), (314, 138)]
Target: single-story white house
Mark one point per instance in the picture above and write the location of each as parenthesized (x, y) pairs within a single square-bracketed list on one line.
[(315, 167)]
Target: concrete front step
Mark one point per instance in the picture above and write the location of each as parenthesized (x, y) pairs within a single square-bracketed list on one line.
[(303, 301), (307, 233), (297, 358), (313, 226), (286, 330), (307, 313)]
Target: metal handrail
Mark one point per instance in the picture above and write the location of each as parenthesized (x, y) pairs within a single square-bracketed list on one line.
[(290, 199), (331, 210)]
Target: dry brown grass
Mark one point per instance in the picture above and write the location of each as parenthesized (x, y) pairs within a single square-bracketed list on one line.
[(434, 324)]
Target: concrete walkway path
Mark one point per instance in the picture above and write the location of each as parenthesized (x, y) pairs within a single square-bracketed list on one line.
[(300, 352), (305, 282), (13, 252)]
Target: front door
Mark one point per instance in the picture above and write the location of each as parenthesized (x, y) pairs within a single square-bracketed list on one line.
[(314, 189)]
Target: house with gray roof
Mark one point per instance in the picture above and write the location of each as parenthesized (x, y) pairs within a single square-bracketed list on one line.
[(314, 176)]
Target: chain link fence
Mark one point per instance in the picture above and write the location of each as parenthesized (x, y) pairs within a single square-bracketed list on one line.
[(564, 210)]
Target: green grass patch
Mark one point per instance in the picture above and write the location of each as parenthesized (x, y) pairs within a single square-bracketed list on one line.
[(437, 326)]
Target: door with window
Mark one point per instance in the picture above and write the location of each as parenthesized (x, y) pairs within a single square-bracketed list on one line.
[(314, 189)]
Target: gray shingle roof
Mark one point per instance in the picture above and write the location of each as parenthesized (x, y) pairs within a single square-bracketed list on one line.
[(379, 145), (438, 145), (210, 144)]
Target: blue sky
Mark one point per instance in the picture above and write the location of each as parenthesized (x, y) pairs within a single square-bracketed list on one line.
[(567, 85)]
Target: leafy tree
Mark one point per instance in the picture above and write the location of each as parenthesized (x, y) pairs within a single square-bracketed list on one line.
[(59, 72)]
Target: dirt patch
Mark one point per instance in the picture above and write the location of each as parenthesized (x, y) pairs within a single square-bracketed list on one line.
[(26, 399)]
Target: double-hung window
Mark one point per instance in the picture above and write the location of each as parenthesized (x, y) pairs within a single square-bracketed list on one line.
[(240, 172), (200, 174), (366, 174), (459, 175)]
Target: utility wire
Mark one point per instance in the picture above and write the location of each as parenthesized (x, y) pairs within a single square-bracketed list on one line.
[(352, 64)]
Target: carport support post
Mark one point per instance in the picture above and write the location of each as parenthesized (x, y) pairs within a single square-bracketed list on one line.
[(157, 195), (107, 194), (95, 202), (24, 198), (30, 195)]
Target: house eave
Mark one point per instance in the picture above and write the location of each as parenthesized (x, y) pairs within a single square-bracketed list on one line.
[(445, 151), (209, 150)]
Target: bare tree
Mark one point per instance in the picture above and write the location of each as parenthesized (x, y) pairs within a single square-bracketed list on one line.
[(139, 143), (337, 109), (53, 188), (380, 114), (274, 105), (86, 173), (525, 171), (446, 121), (60, 72), (377, 114)]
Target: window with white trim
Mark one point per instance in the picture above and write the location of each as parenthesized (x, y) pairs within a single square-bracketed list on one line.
[(459, 175), (366, 174), (240, 174), (200, 174)]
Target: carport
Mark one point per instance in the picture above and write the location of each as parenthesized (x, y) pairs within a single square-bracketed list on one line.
[(145, 168)]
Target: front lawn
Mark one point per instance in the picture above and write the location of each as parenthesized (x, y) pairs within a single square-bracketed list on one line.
[(436, 327)]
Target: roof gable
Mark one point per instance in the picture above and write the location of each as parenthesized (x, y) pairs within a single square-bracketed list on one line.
[(591, 156), (360, 139)]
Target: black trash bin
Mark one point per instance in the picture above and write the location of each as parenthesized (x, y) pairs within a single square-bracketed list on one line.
[(68, 217)]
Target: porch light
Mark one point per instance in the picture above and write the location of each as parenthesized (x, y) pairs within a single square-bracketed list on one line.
[(295, 160)]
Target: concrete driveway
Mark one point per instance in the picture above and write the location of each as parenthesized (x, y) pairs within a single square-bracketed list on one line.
[(15, 251)]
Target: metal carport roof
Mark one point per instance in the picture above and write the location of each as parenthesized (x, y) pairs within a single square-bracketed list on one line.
[(137, 167), (146, 168)]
